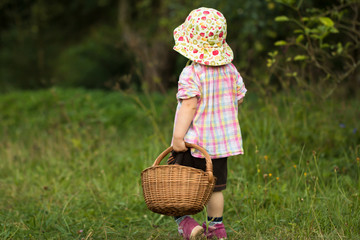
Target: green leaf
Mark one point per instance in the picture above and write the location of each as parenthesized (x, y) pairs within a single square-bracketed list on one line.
[(270, 62), (299, 38), (282, 19), (280, 43), (273, 54), (326, 21), (340, 48), (300, 57), (305, 19), (334, 30), (291, 74)]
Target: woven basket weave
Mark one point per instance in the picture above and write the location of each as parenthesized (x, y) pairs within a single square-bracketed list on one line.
[(175, 190)]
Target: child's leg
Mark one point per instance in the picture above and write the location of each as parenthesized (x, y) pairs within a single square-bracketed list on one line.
[(187, 226), (215, 206), (215, 209)]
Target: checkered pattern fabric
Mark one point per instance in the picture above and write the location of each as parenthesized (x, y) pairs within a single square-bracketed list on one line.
[(215, 126)]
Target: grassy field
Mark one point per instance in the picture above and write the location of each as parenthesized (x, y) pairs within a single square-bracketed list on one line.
[(70, 164)]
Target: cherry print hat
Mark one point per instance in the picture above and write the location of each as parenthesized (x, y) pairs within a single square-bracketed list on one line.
[(201, 38)]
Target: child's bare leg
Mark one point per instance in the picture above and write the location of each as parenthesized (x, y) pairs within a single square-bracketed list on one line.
[(215, 209), (215, 206)]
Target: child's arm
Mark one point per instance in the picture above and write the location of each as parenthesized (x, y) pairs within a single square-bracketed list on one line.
[(184, 118)]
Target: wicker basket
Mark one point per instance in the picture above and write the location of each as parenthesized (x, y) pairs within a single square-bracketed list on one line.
[(176, 190)]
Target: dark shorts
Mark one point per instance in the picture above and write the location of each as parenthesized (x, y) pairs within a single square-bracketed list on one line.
[(219, 166)]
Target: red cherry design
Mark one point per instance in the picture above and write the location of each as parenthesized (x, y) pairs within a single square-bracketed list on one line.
[(195, 51), (218, 13), (203, 18), (203, 26), (191, 35), (211, 34), (201, 56), (181, 39), (206, 62), (215, 52), (221, 34), (206, 12), (202, 34)]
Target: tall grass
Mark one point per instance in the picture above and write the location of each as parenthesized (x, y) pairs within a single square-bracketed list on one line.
[(71, 162)]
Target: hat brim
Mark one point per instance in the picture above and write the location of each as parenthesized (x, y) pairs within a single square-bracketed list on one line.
[(212, 56)]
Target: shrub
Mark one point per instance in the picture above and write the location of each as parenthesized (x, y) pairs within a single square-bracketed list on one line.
[(320, 49), (98, 62)]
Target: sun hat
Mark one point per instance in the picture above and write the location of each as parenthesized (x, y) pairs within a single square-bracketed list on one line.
[(201, 38)]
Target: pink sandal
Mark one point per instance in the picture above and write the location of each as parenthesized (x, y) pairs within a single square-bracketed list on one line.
[(189, 229)]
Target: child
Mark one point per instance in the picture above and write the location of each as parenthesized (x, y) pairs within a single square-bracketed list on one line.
[(209, 91)]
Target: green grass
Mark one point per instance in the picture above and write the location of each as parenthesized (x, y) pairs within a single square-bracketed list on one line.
[(71, 163)]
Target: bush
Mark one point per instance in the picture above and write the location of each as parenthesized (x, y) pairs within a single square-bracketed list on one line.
[(320, 49), (95, 63)]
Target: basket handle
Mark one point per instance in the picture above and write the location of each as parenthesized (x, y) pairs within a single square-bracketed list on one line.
[(209, 166)]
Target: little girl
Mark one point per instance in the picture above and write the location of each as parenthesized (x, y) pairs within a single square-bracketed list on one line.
[(209, 91)]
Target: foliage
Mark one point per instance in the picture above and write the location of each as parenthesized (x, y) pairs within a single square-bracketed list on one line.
[(72, 161), (249, 35), (102, 43), (96, 63), (320, 51), (34, 34)]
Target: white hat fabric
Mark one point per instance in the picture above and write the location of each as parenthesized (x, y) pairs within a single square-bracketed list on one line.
[(201, 38)]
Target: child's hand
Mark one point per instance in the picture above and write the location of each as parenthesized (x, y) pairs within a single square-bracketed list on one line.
[(240, 101), (179, 145)]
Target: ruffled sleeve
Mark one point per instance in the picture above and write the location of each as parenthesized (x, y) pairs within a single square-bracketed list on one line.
[(188, 85), (240, 87)]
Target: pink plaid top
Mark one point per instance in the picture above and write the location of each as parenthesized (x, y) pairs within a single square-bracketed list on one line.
[(215, 126)]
